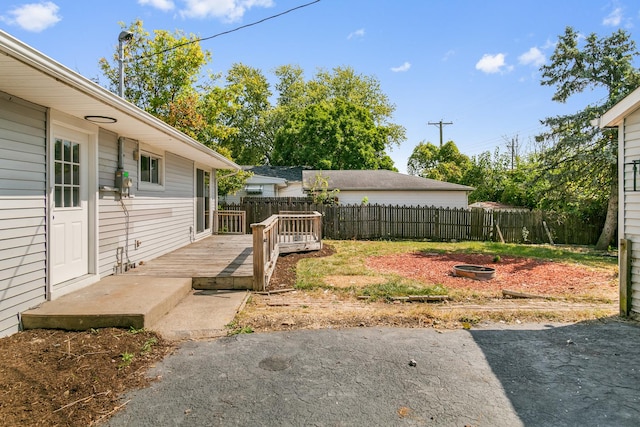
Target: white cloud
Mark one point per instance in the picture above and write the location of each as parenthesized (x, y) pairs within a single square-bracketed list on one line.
[(163, 5), (404, 67), (229, 10), (357, 33), (614, 18), (491, 64), (532, 57), (34, 17)]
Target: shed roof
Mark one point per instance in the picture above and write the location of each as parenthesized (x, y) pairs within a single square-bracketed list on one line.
[(380, 180), (616, 114), (34, 77)]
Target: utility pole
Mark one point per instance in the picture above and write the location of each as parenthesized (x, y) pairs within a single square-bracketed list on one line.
[(440, 124), (513, 146)]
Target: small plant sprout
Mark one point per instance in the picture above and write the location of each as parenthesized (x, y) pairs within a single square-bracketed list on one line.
[(127, 358), (148, 344), (135, 331)]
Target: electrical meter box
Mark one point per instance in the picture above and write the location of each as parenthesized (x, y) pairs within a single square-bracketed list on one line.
[(123, 183)]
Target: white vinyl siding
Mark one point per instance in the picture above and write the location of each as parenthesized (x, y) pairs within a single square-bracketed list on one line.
[(630, 201), (161, 221), (22, 209), (445, 199), (293, 189)]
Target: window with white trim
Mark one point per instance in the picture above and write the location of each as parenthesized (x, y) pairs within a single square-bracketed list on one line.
[(150, 171)]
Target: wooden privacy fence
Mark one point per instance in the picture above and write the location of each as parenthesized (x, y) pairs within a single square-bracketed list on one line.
[(433, 223), (283, 233)]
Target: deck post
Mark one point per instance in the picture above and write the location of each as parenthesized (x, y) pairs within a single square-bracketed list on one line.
[(317, 225), (258, 257)]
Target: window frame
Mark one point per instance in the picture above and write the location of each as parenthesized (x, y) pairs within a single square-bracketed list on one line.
[(148, 185)]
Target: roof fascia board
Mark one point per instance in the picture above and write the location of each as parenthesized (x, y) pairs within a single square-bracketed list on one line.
[(24, 53), (616, 114)]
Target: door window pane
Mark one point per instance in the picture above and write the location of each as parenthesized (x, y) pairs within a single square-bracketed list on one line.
[(58, 172), (66, 169), (58, 150), (58, 196), (66, 155)]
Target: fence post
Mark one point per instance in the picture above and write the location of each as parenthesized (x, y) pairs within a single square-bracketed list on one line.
[(625, 277)]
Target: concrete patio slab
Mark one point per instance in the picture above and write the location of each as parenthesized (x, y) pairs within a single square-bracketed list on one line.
[(115, 301)]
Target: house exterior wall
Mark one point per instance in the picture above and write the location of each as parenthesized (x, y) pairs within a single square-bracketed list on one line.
[(293, 189), (446, 199), (630, 200), (161, 221), (23, 172)]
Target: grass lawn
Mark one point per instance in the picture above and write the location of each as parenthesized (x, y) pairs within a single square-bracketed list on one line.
[(351, 258), (360, 284)]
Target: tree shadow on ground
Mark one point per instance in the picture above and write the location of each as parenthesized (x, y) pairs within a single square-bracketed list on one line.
[(582, 374)]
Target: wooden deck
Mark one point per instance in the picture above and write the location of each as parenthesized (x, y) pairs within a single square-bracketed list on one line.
[(215, 262)]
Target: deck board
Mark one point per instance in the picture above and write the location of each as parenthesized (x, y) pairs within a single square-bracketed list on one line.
[(215, 262)]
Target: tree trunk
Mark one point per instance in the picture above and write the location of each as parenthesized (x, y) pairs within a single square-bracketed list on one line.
[(611, 221)]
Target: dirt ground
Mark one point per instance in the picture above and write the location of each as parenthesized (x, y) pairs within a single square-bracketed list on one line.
[(60, 378), (569, 292)]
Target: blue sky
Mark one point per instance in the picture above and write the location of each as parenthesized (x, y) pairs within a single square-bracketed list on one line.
[(472, 63)]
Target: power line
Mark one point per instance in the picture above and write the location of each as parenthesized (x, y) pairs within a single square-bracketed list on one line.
[(225, 32)]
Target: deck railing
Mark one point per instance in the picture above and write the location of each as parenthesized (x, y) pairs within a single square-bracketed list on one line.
[(283, 233), (230, 222)]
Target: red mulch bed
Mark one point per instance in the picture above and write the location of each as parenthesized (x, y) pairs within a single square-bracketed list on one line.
[(527, 275)]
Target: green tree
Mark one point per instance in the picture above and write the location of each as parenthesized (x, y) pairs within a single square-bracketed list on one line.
[(337, 120), (250, 93), (581, 162), (444, 163), (332, 135), (494, 179), (159, 69)]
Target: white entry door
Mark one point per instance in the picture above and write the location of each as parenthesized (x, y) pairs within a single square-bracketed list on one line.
[(70, 214)]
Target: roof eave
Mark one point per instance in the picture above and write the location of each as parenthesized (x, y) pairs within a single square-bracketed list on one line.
[(19, 51), (615, 115)]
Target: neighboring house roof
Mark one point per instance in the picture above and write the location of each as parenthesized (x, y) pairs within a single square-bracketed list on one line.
[(33, 76), (377, 180), (288, 173)]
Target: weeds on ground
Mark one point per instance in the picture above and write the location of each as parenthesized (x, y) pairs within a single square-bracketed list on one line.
[(397, 288), (236, 329)]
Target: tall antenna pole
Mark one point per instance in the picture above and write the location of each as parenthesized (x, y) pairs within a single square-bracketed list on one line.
[(440, 124), (123, 37)]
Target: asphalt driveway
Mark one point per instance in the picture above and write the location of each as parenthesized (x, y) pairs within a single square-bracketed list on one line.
[(585, 374)]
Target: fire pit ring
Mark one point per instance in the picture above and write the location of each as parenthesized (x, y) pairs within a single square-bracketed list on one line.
[(476, 272)]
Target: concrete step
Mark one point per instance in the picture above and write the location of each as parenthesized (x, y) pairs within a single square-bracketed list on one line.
[(201, 314), (115, 301)]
